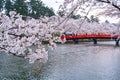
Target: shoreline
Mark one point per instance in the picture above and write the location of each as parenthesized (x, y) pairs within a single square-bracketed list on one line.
[(79, 41)]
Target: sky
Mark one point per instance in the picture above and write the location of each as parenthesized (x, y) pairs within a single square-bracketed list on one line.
[(55, 5)]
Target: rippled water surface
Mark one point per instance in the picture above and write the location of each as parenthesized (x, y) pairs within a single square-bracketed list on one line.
[(67, 62)]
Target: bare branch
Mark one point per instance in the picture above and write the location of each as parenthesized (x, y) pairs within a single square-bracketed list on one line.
[(114, 5), (104, 1)]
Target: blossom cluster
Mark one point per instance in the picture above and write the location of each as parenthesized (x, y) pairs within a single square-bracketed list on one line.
[(19, 36)]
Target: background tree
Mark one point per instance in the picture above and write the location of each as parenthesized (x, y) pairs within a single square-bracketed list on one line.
[(1, 5), (8, 6), (38, 9), (20, 6), (32, 8), (106, 21), (75, 16), (94, 19), (109, 7), (61, 13)]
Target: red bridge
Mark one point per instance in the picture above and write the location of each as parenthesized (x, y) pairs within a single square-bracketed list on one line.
[(94, 37)]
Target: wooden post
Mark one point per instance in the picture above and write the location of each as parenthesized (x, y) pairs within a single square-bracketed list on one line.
[(94, 40), (117, 42), (75, 40)]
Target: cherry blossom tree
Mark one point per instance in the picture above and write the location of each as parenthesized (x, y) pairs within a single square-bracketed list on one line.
[(24, 38), (84, 7), (112, 7), (17, 36)]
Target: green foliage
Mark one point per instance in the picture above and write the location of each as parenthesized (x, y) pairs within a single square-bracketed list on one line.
[(87, 19), (2, 31), (92, 19), (76, 16), (32, 8), (8, 6), (38, 9), (21, 7), (61, 13), (1, 4), (107, 21)]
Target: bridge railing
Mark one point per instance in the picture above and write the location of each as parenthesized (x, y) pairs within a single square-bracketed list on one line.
[(91, 36), (83, 36)]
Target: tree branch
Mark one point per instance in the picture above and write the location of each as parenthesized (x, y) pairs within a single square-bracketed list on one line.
[(21, 35), (107, 1), (116, 6), (11, 52), (104, 1)]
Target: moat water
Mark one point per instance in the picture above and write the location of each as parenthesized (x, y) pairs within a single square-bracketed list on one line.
[(67, 62)]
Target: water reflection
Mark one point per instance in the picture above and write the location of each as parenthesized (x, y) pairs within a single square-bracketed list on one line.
[(67, 62)]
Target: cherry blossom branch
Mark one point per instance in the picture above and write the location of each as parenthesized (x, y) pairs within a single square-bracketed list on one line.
[(114, 5), (12, 53)]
